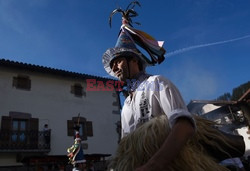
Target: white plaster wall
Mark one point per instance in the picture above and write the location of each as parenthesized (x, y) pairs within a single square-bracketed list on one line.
[(50, 100), (208, 108)]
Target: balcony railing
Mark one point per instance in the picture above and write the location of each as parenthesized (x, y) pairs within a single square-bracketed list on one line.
[(24, 141)]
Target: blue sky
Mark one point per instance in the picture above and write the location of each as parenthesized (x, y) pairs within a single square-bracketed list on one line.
[(73, 34)]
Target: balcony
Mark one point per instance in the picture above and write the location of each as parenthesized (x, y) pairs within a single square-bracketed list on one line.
[(25, 141)]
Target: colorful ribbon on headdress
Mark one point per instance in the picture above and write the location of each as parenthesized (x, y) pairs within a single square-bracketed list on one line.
[(130, 40), (148, 43)]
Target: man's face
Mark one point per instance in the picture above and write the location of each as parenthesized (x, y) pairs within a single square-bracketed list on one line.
[(120, 68)]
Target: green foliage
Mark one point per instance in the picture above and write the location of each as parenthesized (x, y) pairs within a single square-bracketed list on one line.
[(239, 91), (236, 93), (225, 97)]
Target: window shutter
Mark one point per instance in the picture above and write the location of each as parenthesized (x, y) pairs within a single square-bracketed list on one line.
[(22, 82), (89, 128), (33, 132), (5, 131), (77, 90), (6, 123), (33, 124), (70, 125)]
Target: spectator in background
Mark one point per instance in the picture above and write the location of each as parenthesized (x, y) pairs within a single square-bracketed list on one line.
[(46, 133)]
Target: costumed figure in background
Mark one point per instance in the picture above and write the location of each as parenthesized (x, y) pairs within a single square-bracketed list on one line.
[(158, 132), (75, 152)]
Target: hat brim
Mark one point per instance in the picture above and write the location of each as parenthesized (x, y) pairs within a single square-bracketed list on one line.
[(114, 53)]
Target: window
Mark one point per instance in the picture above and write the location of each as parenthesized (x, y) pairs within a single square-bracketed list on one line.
[(81, 129), (77, 90), (22, 82), (86, 128), (19, 130)]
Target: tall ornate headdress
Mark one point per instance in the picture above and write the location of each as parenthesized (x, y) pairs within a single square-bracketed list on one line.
[(128, 40)]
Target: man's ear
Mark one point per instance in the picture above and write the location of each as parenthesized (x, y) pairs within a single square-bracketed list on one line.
[(136, 64)]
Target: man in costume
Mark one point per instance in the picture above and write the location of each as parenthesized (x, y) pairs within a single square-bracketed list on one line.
[(75, 152), (143, 103), (156, 125)]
